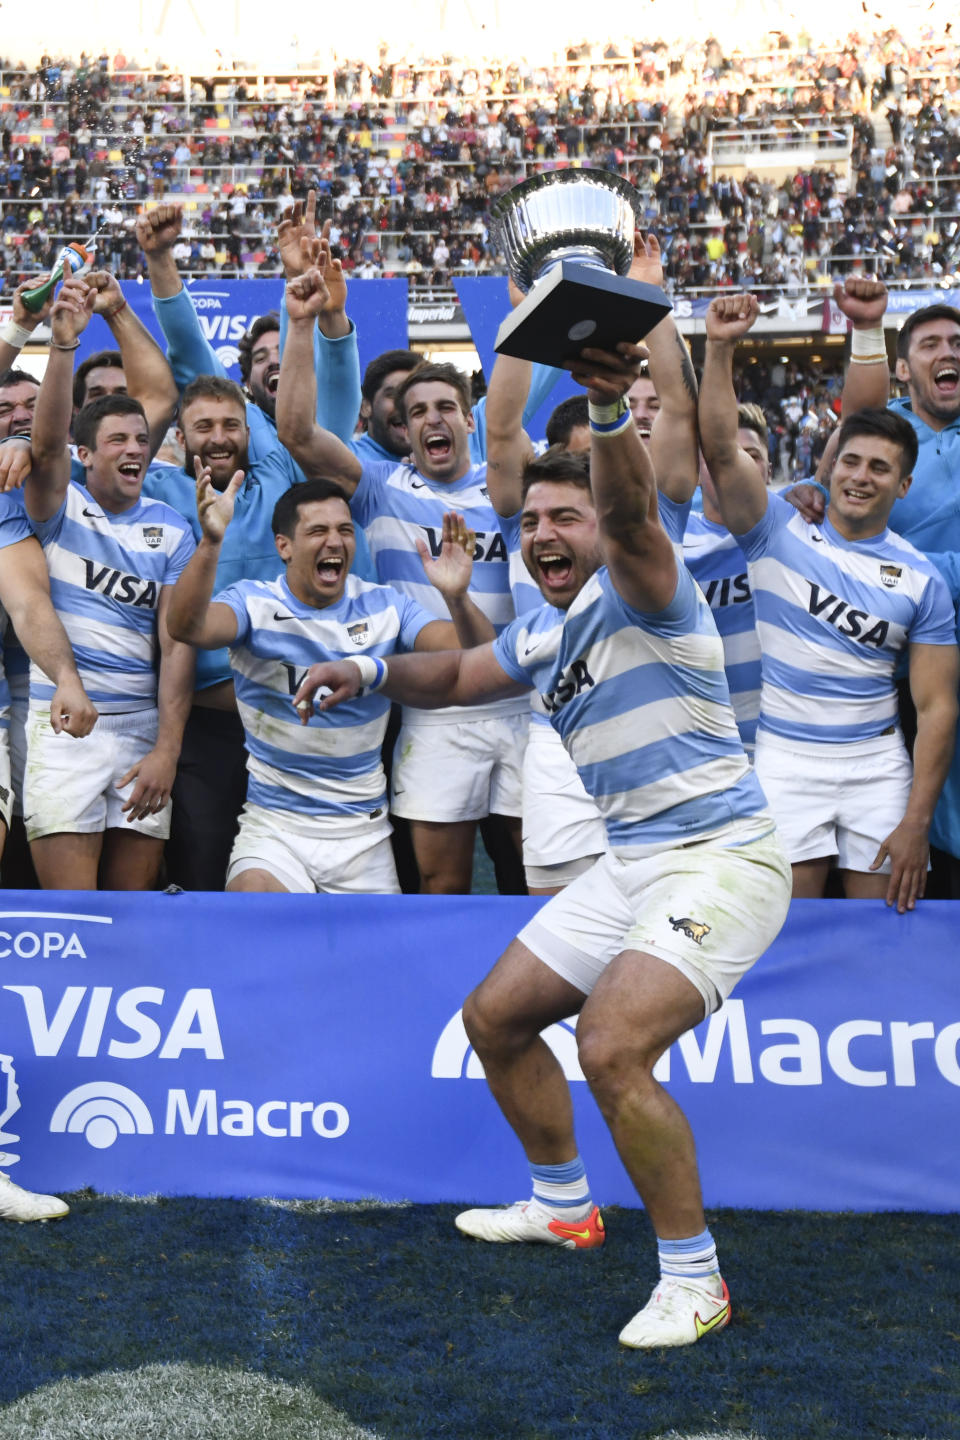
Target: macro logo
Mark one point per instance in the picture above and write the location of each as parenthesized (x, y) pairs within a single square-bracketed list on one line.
[(864, 1052), (9, 1105), (229, 356), (100, 1111), (454, 1057)]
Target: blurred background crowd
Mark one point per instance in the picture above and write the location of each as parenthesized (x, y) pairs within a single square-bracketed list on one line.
[(780, 170)]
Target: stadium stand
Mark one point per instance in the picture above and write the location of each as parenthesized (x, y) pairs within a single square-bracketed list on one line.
[(779, 170)]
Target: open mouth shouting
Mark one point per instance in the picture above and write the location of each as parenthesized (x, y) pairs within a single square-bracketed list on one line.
[(946, 380), (554, 569), (131, 469), (329, 569), (271, 379), (438, 446)]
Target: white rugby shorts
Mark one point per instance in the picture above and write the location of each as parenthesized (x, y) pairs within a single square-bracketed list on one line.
[(828, 803), (308, 856), (70, 785), (710, 910), (561, 823), (460, 769)]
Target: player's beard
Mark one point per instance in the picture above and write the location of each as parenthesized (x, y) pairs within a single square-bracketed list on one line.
[(394, 441), (238, 462)]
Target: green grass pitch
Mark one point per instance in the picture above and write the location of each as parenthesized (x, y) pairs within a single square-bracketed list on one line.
[(276, 1321)]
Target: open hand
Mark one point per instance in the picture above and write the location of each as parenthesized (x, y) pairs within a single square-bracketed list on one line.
[(450, 571), (647, 265), (215, 507)]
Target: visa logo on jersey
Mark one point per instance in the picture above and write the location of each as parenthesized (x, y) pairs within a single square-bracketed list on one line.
[(486, 546), (856, 624)]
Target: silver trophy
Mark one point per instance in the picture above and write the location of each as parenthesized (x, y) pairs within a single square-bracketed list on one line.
[(568, 240)]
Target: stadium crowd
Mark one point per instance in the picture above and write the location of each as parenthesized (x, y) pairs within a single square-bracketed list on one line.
[(669, 720), (416, 153), (408, 158)]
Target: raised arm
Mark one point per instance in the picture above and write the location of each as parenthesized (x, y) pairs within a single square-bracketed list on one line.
[(934, 672), (508, 444), (508, 447), (299, 245), (425, 681), (191, 617), (19, 329), (318, 451), (46, 486), (189, 351), (673, 439), (634, 544), (335, 355), (148, 374), (866, 385), (25, 595), (740, 488)]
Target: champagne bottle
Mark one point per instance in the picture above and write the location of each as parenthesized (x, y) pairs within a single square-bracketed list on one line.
[(72, 260)]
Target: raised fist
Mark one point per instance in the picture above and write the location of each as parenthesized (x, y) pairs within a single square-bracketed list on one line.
[(159, 229), (729, 317), (862, 299)]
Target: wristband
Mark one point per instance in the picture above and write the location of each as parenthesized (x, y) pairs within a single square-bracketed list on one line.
[(373, 672), (74, 346), (867, 347), (14, 335), (112, 314), (609, 420)]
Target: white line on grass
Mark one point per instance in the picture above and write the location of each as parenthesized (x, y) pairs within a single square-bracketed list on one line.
[(158, 1401)]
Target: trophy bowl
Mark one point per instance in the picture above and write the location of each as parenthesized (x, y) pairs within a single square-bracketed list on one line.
[(568, 236), (584, 215)]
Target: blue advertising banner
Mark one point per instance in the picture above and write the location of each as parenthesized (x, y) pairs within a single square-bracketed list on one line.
[(227, 308), (906, 301), (313, 1046)]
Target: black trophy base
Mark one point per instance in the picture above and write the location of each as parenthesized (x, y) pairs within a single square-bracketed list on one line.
[(577, 307)]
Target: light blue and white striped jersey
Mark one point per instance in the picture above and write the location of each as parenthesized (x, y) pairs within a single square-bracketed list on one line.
[(397, 506), (331, 767), (526, 594), (106, 575), (641, 704), (834, 616), (14, 527), (716, 562)]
